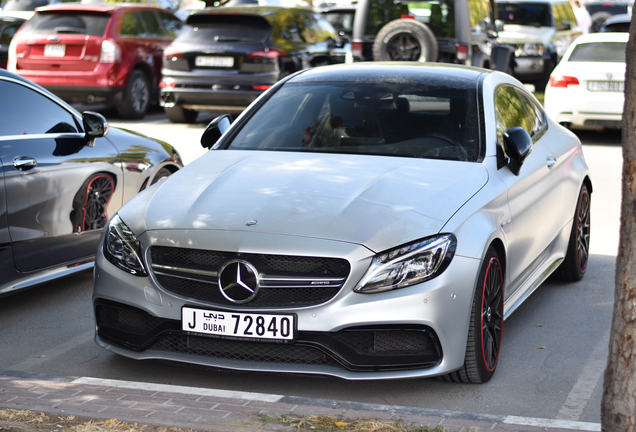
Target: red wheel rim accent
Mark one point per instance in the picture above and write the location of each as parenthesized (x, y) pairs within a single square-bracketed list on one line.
[(98, 205)]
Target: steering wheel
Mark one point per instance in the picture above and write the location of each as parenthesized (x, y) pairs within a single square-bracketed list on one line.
[(449, 140)]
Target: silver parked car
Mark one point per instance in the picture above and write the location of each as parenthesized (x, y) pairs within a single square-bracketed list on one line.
[(363, 221)]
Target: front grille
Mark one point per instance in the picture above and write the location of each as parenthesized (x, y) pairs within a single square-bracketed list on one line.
[(242, 351), (286, 281)]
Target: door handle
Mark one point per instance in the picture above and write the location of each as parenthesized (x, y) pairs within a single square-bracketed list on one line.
[(551, 161), (24, 163)]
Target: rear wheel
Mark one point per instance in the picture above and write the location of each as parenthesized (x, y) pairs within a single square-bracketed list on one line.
[(405, 40), (486, 325), (161, 174), (136, 98), (90, 204), (574, 265), (178, 114)]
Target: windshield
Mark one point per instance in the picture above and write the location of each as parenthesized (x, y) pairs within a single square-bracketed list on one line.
[(613, 52), (72, 22), (420, 121), (529, 14)]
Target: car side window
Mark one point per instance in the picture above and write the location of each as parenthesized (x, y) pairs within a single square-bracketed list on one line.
[(35, 114), (7, 34), (308, 27), (558, 16), (130, 25), (172, 25), (536, 116), (151, 23), (478, 11), (510, 111)]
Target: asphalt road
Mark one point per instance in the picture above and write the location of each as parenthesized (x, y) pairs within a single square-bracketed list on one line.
[(551, 365)]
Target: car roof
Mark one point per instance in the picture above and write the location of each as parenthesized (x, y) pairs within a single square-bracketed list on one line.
[(601, 37), (105, 7), (397, 72), (8, 17), (620, 18), (245, 10), (533, 1), (6, 73)]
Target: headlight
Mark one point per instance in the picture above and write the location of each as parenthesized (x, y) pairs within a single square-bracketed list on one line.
[(530, 49), (122, 248), (408, 265)]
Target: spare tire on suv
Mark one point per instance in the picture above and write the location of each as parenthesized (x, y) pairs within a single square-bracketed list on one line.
[(405, 40)]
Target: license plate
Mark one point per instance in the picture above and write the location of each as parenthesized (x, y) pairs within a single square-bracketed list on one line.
[(608, 86), (57, 50), (209, 61), (238, 325)]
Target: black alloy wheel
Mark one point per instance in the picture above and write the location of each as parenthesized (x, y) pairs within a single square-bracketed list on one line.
[(98, 194), (574, 265), (485, 329)]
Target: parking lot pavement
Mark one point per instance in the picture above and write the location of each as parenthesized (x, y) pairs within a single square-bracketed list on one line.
[(205, 409)]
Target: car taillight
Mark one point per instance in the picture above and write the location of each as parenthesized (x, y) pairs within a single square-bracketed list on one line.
[(167, 84), (406, 16), (266, 54), (563, 81), (261, 87), (462, 52), (356, 49), (172, 54), (111, 52)]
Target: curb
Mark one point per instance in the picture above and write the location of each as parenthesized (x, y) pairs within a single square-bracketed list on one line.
[(220, 410)]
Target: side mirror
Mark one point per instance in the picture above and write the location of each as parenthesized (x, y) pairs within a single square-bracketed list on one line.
[(566, 25), (499, 25), (518, 146), (95, 126), (215, 130)]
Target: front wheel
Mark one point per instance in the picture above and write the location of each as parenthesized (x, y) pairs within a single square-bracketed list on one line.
[(486, 325)]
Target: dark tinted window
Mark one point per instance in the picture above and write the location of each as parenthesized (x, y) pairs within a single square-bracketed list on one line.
[(225, 28), (531, 14), (619, 27), (172, 25), (131, 26), (153, 28), (93, 24), (342, 21), (367, 118), (381, 12), (438, 15), (613, 52), (312, 29), (34, 114), (7, 33)]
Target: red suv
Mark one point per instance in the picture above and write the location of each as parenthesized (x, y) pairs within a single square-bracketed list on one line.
[(90, 53)]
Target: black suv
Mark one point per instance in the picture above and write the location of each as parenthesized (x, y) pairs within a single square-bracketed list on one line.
[(227, 56), (449, 31)]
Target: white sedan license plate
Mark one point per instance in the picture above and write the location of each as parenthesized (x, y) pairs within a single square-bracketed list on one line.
[(607, 86), (238, 325), (58, 50), (210, 61)]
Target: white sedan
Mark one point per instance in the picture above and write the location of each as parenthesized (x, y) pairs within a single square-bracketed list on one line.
[(586, 89)]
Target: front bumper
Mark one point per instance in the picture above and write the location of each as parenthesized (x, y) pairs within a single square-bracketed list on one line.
[(348, 336), (531, 68)]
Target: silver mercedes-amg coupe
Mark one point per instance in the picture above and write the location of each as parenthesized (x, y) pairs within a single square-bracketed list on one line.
[(364, 221)]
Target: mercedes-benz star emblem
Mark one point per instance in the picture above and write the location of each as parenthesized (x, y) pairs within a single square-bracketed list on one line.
[(238, 281)]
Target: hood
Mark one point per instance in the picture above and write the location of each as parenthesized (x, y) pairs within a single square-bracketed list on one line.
[(519, 34), (379, 202)]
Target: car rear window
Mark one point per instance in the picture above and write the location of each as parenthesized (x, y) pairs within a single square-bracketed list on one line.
[(612, 52), (71, 22), (529, 14), (225, 28), (387, 119), (439, 16)]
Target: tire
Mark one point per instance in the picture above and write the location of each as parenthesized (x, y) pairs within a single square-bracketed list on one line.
[(573, 267), (178, 114), (405, 40), (90, 204), (486, 325), (161, 175), (136, 98), (598, 19)]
